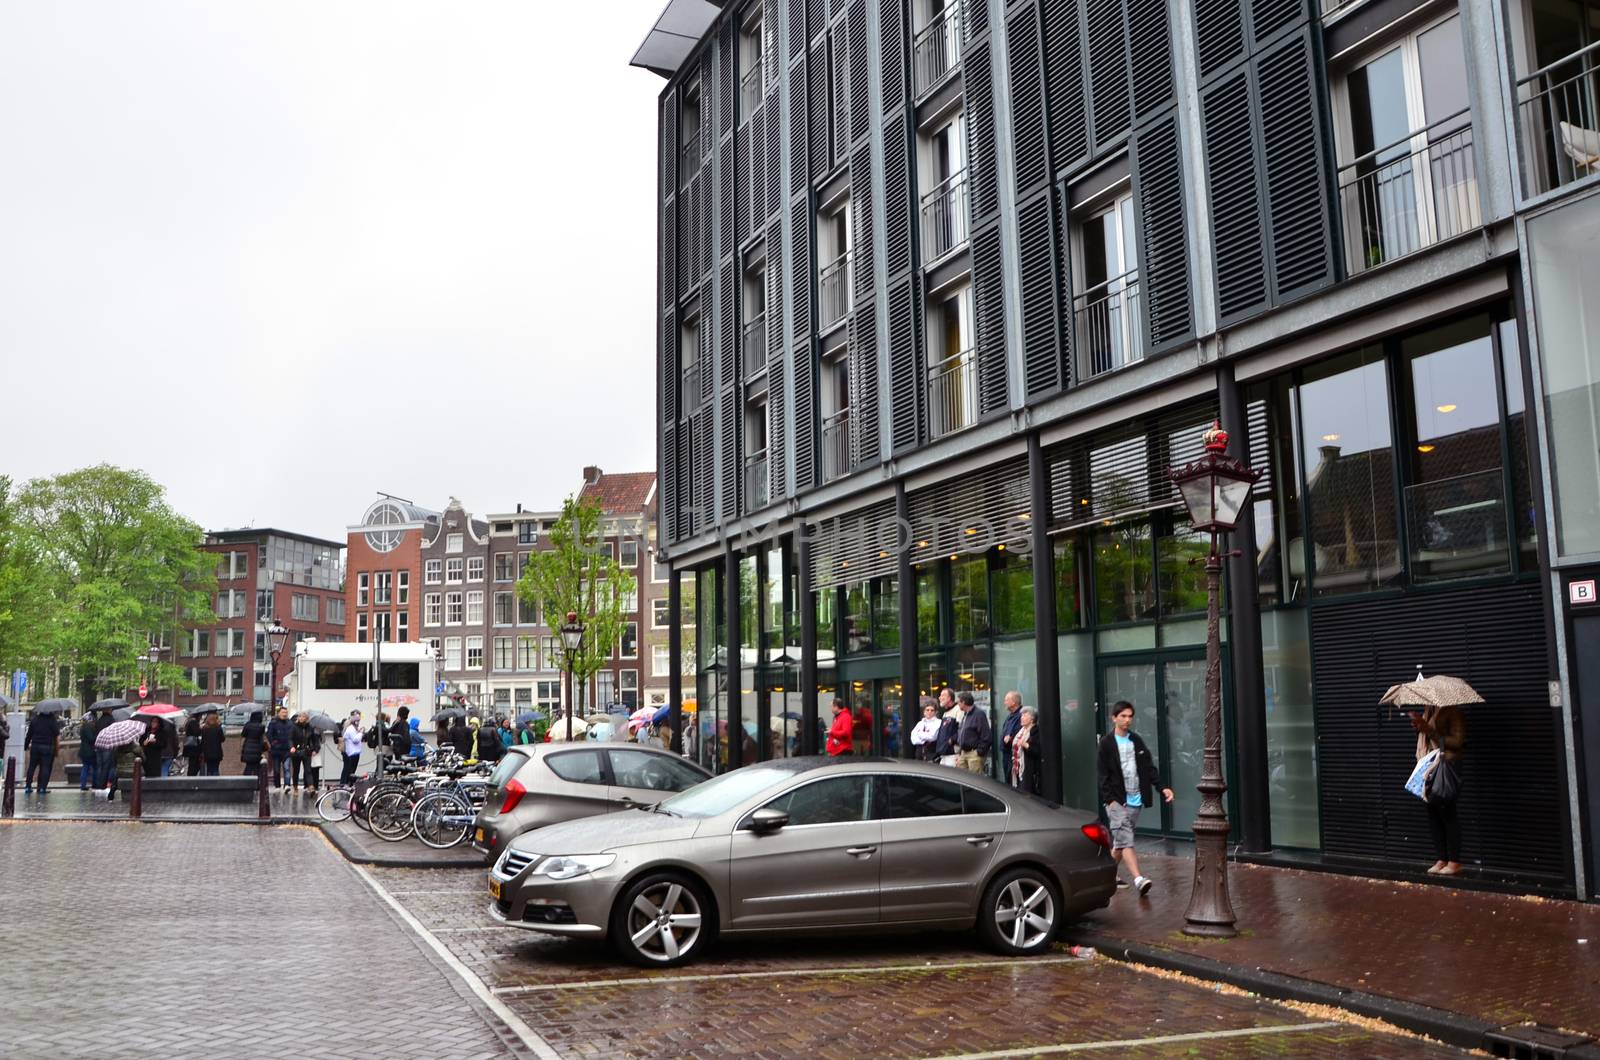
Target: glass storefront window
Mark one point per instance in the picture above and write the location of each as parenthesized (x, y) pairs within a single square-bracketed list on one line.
[(1079, 731), (927, 607), (857, 619), (826, 603), (1276, 507), (889, 719), (1524, 520), (1124, 581), (1455, 503), (969, 599), (1011, 587), (773, 604), (1291, 731), (1069, 587), (708, 601), (749, 606), (1349, 473), (1181, 556), (932, 675), (885, 614)]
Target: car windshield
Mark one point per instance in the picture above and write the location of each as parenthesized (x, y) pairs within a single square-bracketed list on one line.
[(721, 794)]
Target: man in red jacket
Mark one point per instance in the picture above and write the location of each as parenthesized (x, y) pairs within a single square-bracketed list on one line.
[(839, 733)]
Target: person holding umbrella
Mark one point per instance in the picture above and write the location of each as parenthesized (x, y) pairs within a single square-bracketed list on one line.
[(120, 738), (88, 773)]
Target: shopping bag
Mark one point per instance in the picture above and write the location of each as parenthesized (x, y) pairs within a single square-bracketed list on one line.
[(1417, 784)]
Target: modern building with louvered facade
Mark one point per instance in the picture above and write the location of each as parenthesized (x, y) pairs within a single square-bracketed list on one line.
[(945, 288)]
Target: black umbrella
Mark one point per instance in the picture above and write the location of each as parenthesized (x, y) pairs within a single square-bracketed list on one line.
[(448, 714), (323, 723), (55, 706), (122, 714), (206, 708), (109, 704), (7, 702)]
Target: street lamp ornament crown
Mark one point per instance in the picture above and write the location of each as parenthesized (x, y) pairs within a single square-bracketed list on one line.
[(1215, 487)]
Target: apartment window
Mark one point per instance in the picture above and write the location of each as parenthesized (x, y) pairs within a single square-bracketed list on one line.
[(261, 647), (452, 543), (230, 603), (502, 700), (628, 551), (304, 607), (630, 596), (363, 589), (527, 612), (382, 626), (452, 653), (232, 565), (835, 413), (692, 362), (548, 694), (505, 566), (757, 475), (235, 681), (230, 642), (660, 613), (432, 609), (550, 650), (474, 568), (336, 611), (200, 642), (527, 654), (952, 370), (453, 571), (658, 570), (523, 559), (402, 626), (605, 687), (474, 653), (1105, 314), (382, 587), (1405, 139), (937, 45), (432, 572), (475, 608), (403, 587), (201, 679), (503, 656), (527, 532), (264, 606), (660, 660), (834, 297), (629, 648), (943, 164), (689, 132), (752, 63), (504, 609), (361, 627), (628, 686), (453, 609)]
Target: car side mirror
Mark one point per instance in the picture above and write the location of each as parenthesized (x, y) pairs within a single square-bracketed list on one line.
[(767, 820)]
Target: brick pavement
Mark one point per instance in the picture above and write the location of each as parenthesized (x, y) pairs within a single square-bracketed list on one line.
[(72, 804), (1499, 958), (137, 940)]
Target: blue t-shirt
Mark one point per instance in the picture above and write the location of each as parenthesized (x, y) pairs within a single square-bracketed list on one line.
[(1130, 770)]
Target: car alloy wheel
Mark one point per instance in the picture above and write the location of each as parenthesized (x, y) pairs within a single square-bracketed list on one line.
[(1020, 912), (660, 921)]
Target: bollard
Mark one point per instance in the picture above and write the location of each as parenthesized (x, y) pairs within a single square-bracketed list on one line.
[(264, 812), (8, 802), (136, 796)]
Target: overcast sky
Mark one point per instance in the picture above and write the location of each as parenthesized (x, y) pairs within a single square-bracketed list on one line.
[(281, 254)]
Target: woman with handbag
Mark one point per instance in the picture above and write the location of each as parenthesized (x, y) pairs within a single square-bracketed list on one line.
[(1443, 729), (191, 744)]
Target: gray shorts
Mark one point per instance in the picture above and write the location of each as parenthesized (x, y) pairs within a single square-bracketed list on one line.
[(1124, 819)]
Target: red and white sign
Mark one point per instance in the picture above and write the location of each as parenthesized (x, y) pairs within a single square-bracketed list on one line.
[(143, 691), (1581, 592)]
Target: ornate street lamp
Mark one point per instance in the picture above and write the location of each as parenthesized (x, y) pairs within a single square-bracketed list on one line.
[(277, 637), (572, 639), (1214, 489), (147, 667)]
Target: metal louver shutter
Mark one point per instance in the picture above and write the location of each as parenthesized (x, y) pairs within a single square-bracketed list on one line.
[(689, 211), (705, 220), (670, 367), (797, 27), (1269, 16), (728, 448), (727, 62), (669, 253), (728, 300), (897, 194), (817, 106), (864, 442), (705, 339), (777, 453), (976, 13), (774, 307), (1108, 70), (800, 262), (704, 452), (757, 169), (861, 274), (892, 42), (854, 547), (988, 310), (983, 178), (805, 415), (1041, 347), (685, 482), (797, 127), (774, 168), (669, 142), (860, 110), (1219, 33), (1298, 197), (741, 184), (1164, 243), (1062, 248), (839, 92), (1063, 67), (1236, 201), (1121, 472), (726, 184), (972, 513), (1150, 52), (669, 482), (816, 15), (905, 378), (1027, 97)]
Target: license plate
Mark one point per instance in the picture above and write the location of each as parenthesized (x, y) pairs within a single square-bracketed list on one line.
[(494, 889), (480, 835)]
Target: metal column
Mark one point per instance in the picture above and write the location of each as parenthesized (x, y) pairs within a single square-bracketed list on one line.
[(675, 657), (1048, 696), (910, 688), (808, 646), (734, 709)]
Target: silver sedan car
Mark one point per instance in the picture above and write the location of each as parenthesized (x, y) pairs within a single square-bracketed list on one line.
[(809, 844)]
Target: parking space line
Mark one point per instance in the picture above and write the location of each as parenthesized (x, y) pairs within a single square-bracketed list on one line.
[(1131, 1043), (418, 894), (529, 1037), (786, 973)]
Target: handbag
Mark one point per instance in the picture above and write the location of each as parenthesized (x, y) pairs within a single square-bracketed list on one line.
[(1444, 784), (1416, 784)]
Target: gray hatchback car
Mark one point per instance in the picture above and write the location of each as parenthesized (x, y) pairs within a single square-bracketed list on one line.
[(809, 844), (542, 784)]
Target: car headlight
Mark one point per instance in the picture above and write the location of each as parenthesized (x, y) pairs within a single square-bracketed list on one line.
[(567, 866)]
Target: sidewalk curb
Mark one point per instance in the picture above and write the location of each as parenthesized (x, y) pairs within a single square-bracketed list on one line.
[(1452, 1028), (67, 818), (355, 855)]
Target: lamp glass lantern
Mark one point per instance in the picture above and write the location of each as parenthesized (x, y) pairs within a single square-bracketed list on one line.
[(572, 633), (1215, 487), (277, 636)]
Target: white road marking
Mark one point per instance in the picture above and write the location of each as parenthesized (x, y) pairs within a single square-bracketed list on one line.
[(788, 973), (540, 1047), (1130, 1043), (478, 891)]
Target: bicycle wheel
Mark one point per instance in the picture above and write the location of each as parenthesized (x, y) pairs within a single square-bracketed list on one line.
[(334, 805), (390, 816), (441, 819)]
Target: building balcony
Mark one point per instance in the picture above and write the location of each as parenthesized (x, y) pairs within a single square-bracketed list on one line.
[(754, 346), (1558, 112), (937, 48), (756, 492), (953, 393), (835, 444), (1105, 326), (944, 217), (750, 91), (833, 291), (1409, 195)]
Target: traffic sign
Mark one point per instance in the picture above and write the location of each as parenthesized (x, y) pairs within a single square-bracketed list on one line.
[(438, 689), (19, 683)]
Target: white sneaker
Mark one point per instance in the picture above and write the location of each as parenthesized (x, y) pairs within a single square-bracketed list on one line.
[(1142, 885)]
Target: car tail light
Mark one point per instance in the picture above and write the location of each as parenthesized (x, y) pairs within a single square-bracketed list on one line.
[(514, 793), (1096, 833)]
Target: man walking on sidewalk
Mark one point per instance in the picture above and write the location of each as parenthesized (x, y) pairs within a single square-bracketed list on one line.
[(1128, 783)]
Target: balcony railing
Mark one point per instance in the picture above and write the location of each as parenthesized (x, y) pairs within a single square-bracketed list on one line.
[(755, 346), (1409, 195), (691, 385), (1105, 321), (689, 160), (755, 481), (833, 290), (835, 444), (750, 91), (1559, 111), (944, 217), (937, 48), (953, 393)]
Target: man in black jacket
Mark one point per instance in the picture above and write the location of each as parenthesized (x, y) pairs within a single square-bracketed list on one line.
[(41, 742), (1128, 783), (974, 738)]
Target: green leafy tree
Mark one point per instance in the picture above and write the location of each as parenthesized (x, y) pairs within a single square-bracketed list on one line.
[(27, 605), (579, 574), (124, 568)]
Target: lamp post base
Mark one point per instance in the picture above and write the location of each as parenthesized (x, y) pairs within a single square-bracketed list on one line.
[(1210, 912)]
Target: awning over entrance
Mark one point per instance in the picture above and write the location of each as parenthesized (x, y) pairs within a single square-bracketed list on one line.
[(674, 35)]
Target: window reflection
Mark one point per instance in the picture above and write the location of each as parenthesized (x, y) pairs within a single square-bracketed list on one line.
[(1069, 590), (1012, 586), (969, 598), (1124, 581)]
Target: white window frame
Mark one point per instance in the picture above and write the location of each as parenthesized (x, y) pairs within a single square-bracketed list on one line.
[(660, 660), (475, 565), (511, 600), (661, 613), (474, 645), (475, 607), (505, 562), (382, 588), (629, 543), (453, 543), (454, 609), (453, 571), (363, 589), (452, 653), (335, 613), (433, 572), (505, 653), (433, 609), (622, 640), (402, 625), (361, 627), (402, 592), (527, 648), (625, 679)]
